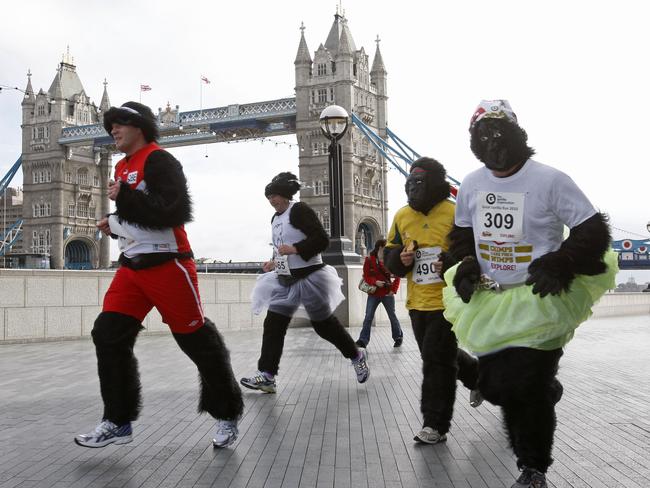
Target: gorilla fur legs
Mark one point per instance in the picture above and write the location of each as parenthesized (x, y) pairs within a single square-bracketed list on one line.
[(114, 335)]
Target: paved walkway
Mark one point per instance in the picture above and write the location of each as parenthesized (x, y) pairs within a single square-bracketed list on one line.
[(321, 429)]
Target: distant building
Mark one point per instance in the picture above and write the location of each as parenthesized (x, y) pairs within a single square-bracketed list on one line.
[(62, 186), (11, 211)]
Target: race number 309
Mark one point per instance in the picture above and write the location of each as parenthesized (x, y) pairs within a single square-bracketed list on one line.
[(498, 220)]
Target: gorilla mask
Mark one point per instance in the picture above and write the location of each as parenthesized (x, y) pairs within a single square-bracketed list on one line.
[(499, 144), (426, 185)]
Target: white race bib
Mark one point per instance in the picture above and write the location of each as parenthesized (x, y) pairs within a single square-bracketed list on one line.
[(500, 216), (424, 272), (282, 265)]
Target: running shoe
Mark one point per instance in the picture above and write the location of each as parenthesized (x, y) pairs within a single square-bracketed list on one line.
[(475, 398), (259, 381), (226, 433), (530, 478), (104, 434), (429, 436), (361, 366)]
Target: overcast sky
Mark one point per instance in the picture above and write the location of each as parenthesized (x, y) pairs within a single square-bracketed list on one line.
[(576, 74)]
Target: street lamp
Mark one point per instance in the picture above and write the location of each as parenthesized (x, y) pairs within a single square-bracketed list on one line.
[(334, 123)]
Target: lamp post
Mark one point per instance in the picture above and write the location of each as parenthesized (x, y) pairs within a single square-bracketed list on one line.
[(334, 123)]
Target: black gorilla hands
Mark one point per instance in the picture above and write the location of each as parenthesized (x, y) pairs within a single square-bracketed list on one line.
[(467, 278), (551, 273)]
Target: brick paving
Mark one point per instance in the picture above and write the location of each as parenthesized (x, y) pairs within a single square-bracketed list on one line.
[(321, 429)]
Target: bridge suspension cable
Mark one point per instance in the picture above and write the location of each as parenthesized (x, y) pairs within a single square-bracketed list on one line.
[(396, 150)]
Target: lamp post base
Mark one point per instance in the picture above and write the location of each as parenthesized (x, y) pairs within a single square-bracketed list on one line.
[(340, 251)]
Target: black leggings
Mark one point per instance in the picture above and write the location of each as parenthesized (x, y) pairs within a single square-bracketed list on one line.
[(442, 363), (523, 382), (275, 329), (114, 335)]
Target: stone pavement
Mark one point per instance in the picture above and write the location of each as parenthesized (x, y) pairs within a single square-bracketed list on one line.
[(321, 429)]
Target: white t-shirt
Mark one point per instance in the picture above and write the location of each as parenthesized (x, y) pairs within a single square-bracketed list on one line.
[(519, 218), (285, 233)]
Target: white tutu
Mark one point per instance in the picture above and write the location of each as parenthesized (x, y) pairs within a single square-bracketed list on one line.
[(316, 296)]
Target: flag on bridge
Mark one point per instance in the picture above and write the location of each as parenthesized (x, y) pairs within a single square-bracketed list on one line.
[(205, 79), (145, 88)]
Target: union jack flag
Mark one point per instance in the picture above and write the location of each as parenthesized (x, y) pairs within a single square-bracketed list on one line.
[(145, 88), (205, 79)]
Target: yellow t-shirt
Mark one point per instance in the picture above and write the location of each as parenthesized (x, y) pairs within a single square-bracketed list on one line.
[(429, 231)]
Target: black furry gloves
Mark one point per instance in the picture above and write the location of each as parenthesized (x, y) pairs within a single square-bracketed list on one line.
[(467, 277), (551, 273), (447, 262)]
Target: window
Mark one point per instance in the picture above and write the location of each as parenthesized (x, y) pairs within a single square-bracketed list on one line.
[(321, 69), (313, 96), (365, 187), (71, 110), (319, 188), (91, 211), (314, 185), (40, 110), (82, 177), (326, 187), (331, 94), (68, 177), (326, 223), (71, 211), (41, 133), (95, 180), (48, 209), (35, 177), (82, 209), (322, 95)]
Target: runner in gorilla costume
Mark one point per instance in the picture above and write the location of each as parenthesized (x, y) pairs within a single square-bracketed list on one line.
[(416, 238), (520, 289)]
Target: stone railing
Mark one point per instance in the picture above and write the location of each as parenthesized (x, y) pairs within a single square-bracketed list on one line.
[(41, 305)]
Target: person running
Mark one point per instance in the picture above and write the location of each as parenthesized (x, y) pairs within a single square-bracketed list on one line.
[(416, 242), (522, 288), (375, 274), (156, 270), (296, 276)]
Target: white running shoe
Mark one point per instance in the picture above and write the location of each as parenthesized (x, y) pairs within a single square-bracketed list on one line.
[(106, 433), (429, 436), (361, 366), (226, 433)]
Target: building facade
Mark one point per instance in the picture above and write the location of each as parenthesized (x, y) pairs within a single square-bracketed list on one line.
[(340, 74), (62, 187)]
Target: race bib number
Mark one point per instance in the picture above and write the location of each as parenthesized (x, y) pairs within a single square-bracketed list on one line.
[(282, 265), (424, 271), (500, 216)]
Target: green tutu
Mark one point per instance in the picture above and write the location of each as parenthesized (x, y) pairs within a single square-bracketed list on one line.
[(515, 317)]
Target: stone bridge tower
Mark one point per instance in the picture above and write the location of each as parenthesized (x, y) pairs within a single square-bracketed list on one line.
[(340, 74), (62, 187)]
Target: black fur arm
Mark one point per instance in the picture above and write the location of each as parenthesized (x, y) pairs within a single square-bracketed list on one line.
[(581, 253), (461, 244), (166, 201), (303, 218), (393, 262)]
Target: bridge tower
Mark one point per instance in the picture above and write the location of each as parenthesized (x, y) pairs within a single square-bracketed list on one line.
[(61, 187), (340, 74)]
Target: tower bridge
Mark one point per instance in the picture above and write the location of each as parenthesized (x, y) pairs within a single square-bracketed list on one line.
[(66, 153)]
